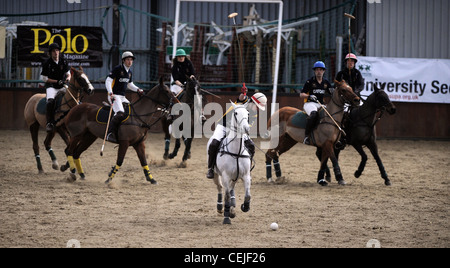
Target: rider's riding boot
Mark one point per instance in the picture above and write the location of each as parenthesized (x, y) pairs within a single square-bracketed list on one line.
[(310, 122), (250, 145), (212, 155), (114, 126), (50, 114)]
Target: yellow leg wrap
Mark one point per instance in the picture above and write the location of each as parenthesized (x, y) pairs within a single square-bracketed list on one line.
[(78, 166), (71, 162), (147, 172), (113, 172)]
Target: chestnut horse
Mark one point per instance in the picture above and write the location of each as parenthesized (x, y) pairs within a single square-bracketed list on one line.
[(34, 118), (84, 129), (324, 136)]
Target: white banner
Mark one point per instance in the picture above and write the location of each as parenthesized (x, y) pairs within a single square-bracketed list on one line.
[(406, 79)]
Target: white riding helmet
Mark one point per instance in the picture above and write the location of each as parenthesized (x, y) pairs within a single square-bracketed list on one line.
[(260, 100), (128, 54)]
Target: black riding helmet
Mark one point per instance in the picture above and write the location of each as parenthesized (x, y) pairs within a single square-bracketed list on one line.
[(52, 47)]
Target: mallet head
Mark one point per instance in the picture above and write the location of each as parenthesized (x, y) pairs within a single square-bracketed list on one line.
[(349, 16), (232, 15)]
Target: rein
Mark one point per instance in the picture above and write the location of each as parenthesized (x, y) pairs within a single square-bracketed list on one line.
[(143, 124), (238, 155), (71, 86), (334, 123)]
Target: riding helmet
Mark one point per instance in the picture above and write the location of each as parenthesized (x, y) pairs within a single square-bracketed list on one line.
[(319, 64), (260, 100), (128, 54), (351, 56)]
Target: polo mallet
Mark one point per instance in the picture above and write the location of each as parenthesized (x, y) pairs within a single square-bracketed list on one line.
[(350, 18), (334, 121), (233, 16), (106, 132)]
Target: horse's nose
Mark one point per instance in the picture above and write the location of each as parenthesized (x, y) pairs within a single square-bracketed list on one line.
[(393, 110), (356, 100), (246, 129)]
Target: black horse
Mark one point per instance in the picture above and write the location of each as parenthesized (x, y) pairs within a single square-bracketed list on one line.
[(191, 95), (360, 128)]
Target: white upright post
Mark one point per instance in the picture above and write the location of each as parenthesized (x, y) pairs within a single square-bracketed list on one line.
[(175, 32), (277, 60)]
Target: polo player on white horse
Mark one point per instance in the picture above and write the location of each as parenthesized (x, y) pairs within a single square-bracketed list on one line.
[(258, 100)]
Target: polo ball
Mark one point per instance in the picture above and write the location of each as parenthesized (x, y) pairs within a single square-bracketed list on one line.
[(274, 226)]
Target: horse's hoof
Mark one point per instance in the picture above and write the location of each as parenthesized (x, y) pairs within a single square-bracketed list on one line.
[(152, 181), (232, 212), (342, 182), (55, 165), (226, 221), (41, 171), (72, 177), (108, 181), (358, 174), (82, 177), (220, 208), (172, 156), (63, 168), (387, 183), (245, 208), (328, 179), (166, 156), (323, 182)]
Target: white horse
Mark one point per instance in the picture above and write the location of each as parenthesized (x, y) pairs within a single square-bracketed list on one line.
[(233, 163)]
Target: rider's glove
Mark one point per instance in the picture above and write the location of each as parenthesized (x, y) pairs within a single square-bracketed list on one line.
[(312, 98)]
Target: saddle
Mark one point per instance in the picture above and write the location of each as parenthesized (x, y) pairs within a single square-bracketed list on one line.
[(42, 105), (299, 119), (103, 113)]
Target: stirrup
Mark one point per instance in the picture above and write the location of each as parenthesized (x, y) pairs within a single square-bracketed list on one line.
[(50, 127), (111, 137), (307, 141)]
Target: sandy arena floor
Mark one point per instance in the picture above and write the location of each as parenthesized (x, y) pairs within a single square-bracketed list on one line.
[(47, 211)]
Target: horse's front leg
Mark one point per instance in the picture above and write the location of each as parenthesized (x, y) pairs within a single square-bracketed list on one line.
[(140, 150), (123, 147), (187, 149), (374, 150), (362, 165), (335, 161), (219, 194), (245, 207), (175, 149), (326, 169), (226, 213), (48, 147), (165, 125), (62, 131)]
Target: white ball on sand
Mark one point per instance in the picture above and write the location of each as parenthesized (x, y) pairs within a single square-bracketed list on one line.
[(274, 226)]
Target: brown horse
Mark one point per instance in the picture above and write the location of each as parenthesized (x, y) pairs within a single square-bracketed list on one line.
[(324, 136), (84, 129), (36, 117)]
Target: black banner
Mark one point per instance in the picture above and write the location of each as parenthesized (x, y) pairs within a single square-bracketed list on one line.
[(80, 46)]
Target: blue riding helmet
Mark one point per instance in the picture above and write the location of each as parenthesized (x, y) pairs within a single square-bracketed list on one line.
[(319, 64)]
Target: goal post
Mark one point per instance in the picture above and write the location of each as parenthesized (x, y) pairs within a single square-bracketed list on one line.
[(279, 33)]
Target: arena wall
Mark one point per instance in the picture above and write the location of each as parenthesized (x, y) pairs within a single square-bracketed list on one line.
[(422, 120)]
